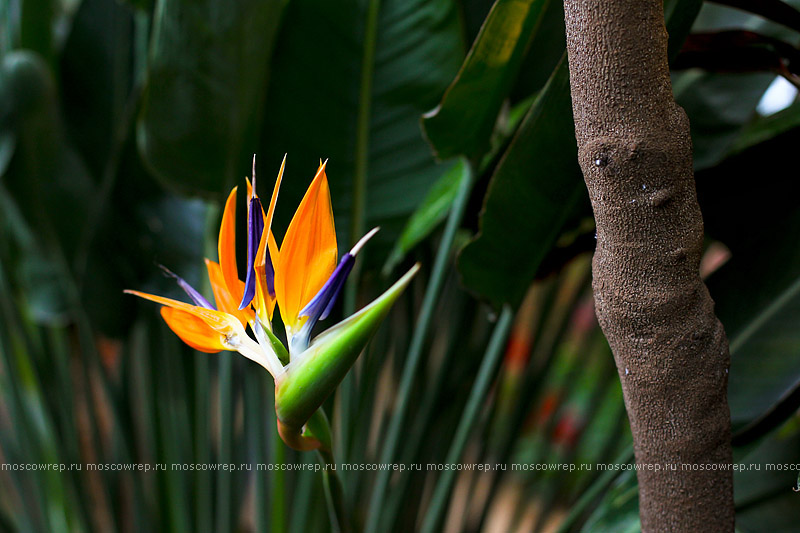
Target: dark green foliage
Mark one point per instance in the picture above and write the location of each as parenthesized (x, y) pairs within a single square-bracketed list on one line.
[(116, 117)]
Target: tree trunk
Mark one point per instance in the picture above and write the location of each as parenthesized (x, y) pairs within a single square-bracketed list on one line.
[(670, 349)]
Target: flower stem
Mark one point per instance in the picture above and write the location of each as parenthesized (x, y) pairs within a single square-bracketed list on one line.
[(334, 494), (318, 427), (358, 210)]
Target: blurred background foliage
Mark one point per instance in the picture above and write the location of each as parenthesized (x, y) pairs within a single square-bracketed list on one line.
[(446, 122)]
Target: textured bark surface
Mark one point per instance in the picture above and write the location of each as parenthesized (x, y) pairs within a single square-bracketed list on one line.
[(670, 349)]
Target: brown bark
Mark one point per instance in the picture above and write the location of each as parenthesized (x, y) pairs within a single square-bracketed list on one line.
[(670, 349)]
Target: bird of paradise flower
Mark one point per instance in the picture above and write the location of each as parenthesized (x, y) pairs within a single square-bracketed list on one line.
[(304, 281)]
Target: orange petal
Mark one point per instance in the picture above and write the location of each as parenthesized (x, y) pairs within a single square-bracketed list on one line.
[(225, 299), (219, 321), (308, 254), (231, 333), (274, 199), (227, 250), (261, 253), (192, 330), (273, 249), (265, 302)]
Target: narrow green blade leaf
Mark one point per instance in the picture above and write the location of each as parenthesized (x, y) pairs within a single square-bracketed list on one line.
[(314, 105), (429, 214), (464, 120)]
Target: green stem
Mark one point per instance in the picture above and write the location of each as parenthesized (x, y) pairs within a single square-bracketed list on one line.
[(171, 432), (476, 398), (423, 325), (319, 428), (549, 331), (302, 496), (90, 360), (33, 499), (334, 494), (358, 208), (431, 399)]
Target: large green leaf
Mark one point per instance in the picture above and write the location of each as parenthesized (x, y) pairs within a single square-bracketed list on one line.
[(546, 47), (320, 94), (756, 292), (758, 300), (758, 487), (464, 120), (96, 79), (532, 193), (720, 105), (738, 210), (680, 15), (205, 86)]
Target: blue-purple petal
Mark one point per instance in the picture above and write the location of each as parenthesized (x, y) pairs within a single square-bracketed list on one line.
[(322, 303), (269, 272), (346, 264), (255, 227), (196, 297)]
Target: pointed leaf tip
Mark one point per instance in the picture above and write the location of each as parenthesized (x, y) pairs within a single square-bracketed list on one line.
[(313, 375)]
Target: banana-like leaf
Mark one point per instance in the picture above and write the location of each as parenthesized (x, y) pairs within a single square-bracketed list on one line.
[(463, 122), (207, 76), (327, 100), (533, 192), (758, 300)]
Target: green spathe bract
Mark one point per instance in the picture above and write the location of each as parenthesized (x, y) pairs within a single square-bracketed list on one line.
[(311, 377)]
